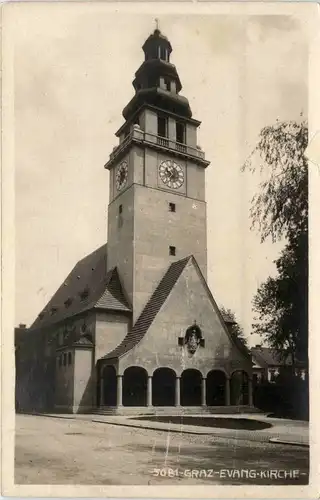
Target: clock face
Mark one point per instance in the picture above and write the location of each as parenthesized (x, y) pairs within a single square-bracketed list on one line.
[(171, 174), (122, 175)]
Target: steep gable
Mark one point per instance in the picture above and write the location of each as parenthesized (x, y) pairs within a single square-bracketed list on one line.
[(88, 286), (151, 309), (159, 301), (223, 320)]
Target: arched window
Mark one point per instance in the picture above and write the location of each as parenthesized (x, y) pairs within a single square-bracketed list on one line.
[(162, 126), (180, 132), (167, 84), (163, 53)]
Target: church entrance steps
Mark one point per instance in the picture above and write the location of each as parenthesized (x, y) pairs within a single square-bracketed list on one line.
[(175, 410)]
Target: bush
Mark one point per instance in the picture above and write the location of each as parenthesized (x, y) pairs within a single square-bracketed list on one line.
[(288, 397)]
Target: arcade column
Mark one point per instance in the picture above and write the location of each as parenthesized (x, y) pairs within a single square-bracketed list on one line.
[(119, 390), (177, 393), (203, 391), (101, 399), (228, 391), (149, 391)]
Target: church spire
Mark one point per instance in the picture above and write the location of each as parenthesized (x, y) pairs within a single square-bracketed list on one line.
[(157, 82), (157, 46)]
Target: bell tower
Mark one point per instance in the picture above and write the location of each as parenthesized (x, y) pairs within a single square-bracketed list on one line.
[(157, 209)]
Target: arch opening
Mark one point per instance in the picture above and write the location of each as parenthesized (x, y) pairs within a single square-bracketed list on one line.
[(163, 387), (109, 387), (135, 381), (191, 381), (216, 388), (239, 388)]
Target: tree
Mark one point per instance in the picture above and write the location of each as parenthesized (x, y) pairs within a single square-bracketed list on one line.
[(280, 208), (280, 211), (234, 327)]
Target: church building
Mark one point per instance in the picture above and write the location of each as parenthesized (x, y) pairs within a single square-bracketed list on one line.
[(134, 326)]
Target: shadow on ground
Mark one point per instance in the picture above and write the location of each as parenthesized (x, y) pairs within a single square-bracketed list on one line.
[(221, 423)]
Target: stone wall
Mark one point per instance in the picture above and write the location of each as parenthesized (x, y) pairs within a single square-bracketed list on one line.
[(64, 381), (156, 228), (121, 238), (84, 384), (188, 301), (65, 362), (110, 330)]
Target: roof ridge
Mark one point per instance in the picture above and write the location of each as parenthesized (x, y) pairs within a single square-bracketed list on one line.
[(151, 309), (105, 245), (230, 334), (90, 271), (113, 293), (107, 281)]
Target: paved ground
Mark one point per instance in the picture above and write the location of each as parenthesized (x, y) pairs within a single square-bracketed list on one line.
[(282, 430), (74, 451)]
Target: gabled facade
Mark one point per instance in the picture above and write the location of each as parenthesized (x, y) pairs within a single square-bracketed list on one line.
[(269, 363), (135, 324)]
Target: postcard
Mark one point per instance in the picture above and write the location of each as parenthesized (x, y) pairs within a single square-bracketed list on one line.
[(159, 251)]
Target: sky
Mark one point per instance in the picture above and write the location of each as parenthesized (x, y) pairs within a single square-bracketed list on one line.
[(73, 72)]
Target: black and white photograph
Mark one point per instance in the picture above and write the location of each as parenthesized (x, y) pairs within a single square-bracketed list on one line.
[(160, 286)]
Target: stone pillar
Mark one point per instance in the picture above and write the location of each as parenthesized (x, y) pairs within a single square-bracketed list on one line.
[(227, 395), (203, 392), (119, 390), (172, 130), (101, 400), (149, 391), (177, 395), (250, 392)]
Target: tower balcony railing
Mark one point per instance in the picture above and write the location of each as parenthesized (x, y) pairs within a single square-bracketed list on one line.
[(122, 145), (139, 136), (181, 147), (163, 141)]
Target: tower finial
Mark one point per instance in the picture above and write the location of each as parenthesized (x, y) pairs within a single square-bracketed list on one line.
[(157, 24)]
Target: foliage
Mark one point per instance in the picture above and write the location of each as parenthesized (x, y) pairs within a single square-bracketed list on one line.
[(280, 210), (285, 398), (281, 303), (234, 326)]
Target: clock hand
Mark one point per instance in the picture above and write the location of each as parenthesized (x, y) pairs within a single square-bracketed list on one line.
[(174, 175)]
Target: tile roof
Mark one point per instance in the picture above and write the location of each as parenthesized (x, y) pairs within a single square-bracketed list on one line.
[(270, 357), (227, 318), (84, 341), (154, 305), (151, 309), (88, 286)]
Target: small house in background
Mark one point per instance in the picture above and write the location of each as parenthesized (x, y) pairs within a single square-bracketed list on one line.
[(268, 363)]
